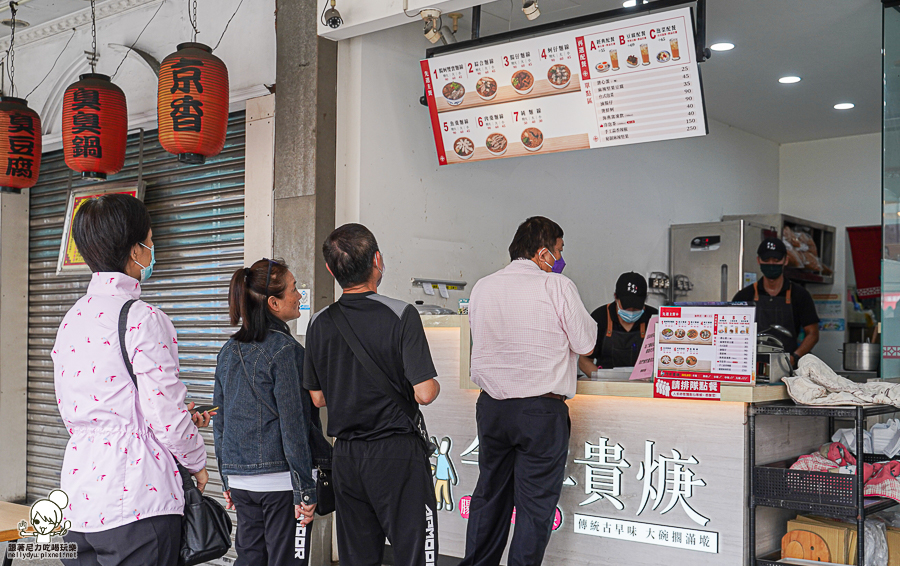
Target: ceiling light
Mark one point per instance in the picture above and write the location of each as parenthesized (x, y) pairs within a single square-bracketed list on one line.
[(631, 3), (789, 80), (844, 106), (724, 46), (530, 7), (19, 23), (332, 17)]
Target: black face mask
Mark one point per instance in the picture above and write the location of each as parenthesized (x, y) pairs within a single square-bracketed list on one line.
[(771, 270)]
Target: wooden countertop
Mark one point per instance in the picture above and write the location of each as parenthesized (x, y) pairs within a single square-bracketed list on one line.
[(10, 515), (730, 393)]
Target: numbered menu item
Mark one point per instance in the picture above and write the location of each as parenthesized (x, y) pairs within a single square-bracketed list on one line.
[(609, 84), (706, 343)]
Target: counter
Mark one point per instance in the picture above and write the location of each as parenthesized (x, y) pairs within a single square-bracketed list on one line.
[(648, 480)]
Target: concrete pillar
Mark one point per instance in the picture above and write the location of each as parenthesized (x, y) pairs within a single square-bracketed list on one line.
[(13, 343), (305, 148)]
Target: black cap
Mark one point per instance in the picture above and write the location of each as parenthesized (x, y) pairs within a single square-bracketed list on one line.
[(631, 290), (771, 248)]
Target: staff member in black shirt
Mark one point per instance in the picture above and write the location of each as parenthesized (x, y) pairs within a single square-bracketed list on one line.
[(780, 302), (621, 326)]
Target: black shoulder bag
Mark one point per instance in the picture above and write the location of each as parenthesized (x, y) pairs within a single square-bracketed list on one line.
[(335, 311), (206, 526), (324, 487)]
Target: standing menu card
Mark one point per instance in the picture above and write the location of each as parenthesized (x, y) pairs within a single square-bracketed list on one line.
[(618, 83), (706, 343)]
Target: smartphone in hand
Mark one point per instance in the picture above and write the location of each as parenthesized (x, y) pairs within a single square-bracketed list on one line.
[(204, 409)]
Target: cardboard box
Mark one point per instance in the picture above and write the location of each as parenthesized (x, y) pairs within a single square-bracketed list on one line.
[(893, 540)]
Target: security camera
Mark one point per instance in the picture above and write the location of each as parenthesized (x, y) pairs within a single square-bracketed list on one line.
[(332, 17), (530, 7), (432, 31)]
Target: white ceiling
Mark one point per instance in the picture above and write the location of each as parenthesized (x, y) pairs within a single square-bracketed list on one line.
[(834, 45)]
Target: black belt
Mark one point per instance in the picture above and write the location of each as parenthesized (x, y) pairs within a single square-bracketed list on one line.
[(554, 396)]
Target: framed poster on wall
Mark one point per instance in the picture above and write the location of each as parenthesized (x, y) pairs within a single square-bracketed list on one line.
[(70, 261)]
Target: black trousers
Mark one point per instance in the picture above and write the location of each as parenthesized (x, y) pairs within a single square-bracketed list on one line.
[(154, 541), (383, 488), (267, 531), (523, 444)]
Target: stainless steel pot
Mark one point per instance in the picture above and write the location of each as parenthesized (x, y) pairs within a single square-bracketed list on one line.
[(861, 357)]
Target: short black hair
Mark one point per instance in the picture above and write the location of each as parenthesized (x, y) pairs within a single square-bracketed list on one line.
[(105, 229), (534, 234), (349, 252)]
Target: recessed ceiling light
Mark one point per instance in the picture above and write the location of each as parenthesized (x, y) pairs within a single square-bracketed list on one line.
[(724, 46), (844, 106), (789, 80), (631, 3)]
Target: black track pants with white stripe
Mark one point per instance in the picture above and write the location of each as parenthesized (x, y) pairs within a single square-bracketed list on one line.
[(267, 532), (383, 488)]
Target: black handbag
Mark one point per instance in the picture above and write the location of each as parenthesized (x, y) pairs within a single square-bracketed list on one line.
[(324, 492), (206, 525), (335, 311)]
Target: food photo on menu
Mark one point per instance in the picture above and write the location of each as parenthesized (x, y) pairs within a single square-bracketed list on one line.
[(682, 361)]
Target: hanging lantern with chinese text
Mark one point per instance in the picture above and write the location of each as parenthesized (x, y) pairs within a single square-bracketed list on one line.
[(20, 145), (95, 126), (192, 107)]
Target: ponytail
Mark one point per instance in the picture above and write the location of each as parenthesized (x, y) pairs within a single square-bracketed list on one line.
[(248, 298)]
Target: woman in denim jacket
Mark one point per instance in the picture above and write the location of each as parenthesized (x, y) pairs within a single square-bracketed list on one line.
[(267, 434)]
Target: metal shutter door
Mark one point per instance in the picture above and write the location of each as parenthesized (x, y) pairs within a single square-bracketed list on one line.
[(198, 229)]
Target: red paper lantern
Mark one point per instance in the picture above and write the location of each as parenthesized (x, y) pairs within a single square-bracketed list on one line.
[(95, 126), (192, 106), (20, 144)]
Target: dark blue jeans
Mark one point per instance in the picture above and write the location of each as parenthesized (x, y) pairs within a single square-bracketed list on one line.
[(523, 444)]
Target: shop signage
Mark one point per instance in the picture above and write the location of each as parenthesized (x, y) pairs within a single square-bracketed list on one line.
[(70, 261), (712, 344), (618, 83), (660, 535)]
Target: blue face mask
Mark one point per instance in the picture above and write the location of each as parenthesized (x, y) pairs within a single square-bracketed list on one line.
[(630, 316), (558, 264), (146, 272)]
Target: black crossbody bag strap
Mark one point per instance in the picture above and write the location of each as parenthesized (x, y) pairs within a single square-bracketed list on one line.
[(123, 325), (335, 311), (250, 381)]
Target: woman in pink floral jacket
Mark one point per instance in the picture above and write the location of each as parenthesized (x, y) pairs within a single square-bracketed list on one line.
[(125, 494)]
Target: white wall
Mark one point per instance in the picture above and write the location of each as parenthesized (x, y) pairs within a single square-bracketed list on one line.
[(248, 50), (836, 182), (456, 222)]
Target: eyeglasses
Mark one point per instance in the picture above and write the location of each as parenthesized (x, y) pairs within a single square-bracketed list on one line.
[(268, 274)]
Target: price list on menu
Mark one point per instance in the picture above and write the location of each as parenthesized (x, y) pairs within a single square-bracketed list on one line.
[(706, 343), (624, 82), (641, 82)]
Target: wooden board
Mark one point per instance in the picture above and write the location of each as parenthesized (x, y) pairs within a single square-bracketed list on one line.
[(505, 93), (516, 149), (10, 515), (805, 545)]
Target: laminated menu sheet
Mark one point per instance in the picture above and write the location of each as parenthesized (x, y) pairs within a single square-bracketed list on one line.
[(618, 83), (709, 345)]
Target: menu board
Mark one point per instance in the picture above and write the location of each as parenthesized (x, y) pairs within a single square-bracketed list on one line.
[(706, 343), (618, 83)]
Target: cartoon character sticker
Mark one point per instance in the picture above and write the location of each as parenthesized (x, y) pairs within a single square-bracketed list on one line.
[(444, 474), (47, 518)]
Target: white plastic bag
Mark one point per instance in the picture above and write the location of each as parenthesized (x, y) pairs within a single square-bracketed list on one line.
[(876, 543)]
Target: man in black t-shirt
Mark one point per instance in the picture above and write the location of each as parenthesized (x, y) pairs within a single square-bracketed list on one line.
[(382, 474), (781, 302)]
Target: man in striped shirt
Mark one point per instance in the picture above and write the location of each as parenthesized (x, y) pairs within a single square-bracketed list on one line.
[(529, 326)]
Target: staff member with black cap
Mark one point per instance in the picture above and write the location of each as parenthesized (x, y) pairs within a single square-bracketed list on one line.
[(780, 302), (621, 326)]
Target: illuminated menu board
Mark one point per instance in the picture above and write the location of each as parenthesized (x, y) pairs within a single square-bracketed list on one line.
[(619, 83)]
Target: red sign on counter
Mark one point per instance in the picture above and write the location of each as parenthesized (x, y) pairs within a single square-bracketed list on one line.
[(687, 389)]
